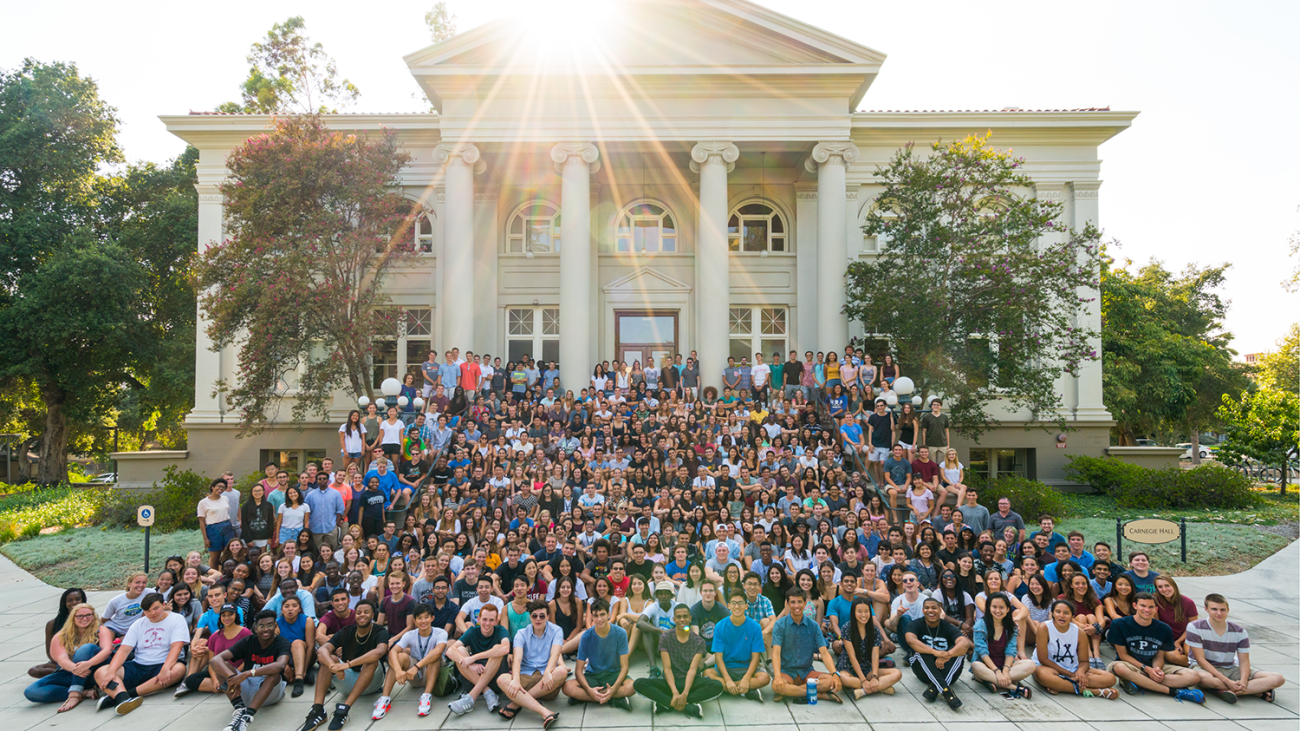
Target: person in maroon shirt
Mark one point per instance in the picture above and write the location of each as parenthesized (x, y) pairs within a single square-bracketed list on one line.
[(340, 616), (926, 470)]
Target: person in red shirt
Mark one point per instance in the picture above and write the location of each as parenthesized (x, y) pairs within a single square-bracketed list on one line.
[(926, 470), (470, 373)]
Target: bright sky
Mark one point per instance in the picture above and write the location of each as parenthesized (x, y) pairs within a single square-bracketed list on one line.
[(1207, 173)]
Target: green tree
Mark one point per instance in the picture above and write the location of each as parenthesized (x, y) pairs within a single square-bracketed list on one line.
[(1264, 425), (1281, 370), (1292, 283), (975, 286), (314, 228), (288, 74), (1166, 354), (441, 22)]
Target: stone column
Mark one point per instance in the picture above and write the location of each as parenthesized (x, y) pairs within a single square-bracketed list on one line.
[(712, 160), (462, 161), (830, 160), (575, 161), (1090, 405), (207, 362)]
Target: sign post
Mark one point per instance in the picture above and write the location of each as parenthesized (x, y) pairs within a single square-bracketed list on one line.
[(145, 517), (1151, 531)]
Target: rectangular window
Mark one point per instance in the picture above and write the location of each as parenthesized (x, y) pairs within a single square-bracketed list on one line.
[(758, 330), (533, 332), (384, 358)]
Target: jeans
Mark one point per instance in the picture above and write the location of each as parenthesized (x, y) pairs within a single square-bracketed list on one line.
[(702, 690), (54, 688)]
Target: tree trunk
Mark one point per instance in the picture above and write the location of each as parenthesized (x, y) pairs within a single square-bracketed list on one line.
[(1196, 448), (25, 465), (53, 467)]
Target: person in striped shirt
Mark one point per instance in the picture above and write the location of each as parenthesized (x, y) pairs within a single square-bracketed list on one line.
[(1221, 656)]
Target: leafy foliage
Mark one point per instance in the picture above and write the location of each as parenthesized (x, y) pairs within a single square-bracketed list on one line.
[(441, 22), (314, 229), (290, 74), (1030, 498), (26, 514), (1167, 361), (1211, 485), (979, 290), (173, 500), (1281, 370), (1263, 425)]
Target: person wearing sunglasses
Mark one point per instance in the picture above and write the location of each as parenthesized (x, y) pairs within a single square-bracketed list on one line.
[(906, 607), (536, 672)]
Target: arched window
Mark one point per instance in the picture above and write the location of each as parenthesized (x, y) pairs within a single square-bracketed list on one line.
[(423, 232), (757, 227), (534, 229), (645, 228)]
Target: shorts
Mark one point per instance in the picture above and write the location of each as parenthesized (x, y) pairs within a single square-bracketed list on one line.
[(353, 455), (803, 678), (1169, 669), (134, 674), (878, 454), (905, 445), (219, 534), (599, 680), (736, 673), (1234, 673), (832, 383), (249, 688), (352, 675), (391, 448)]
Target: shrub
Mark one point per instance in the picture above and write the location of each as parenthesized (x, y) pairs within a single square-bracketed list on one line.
[(1030, 498), (25, 514), (1209, 486), (173, 499)]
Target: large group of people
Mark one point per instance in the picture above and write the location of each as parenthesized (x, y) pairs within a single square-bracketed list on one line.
[(510, 538)]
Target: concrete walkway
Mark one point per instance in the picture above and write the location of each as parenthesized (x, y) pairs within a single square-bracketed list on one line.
[(1266, 599)]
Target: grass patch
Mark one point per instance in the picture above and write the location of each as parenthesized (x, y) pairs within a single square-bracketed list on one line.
[(1271, 511), (1212, 549), (97, 558), (26, 514)]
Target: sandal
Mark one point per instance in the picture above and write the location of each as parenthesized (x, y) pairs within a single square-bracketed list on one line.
[(833, 697), (546, 722), (507, 712), (1109, 694), (1024, 691), (1267, 696), (74, 698)]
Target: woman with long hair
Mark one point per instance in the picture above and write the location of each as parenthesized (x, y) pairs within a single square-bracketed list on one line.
[(778, 583), (905, 428), (1000, 662), (292, 516), (958, 606), (1063, 658), (1177, 611), (1089, 613), (797, 558), (352, 439), (567, 613), (1119, 602), (859, 661), (81, 645), (1038, 601), (67, 601)]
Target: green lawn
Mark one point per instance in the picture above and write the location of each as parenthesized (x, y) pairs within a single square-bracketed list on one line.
[(1273, 510), (94, 558), (1212, 549)]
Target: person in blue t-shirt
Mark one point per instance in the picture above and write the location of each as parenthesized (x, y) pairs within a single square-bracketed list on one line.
[(1140, 573), (738, 646), (851, 433), (601, 672), (1141, 642)]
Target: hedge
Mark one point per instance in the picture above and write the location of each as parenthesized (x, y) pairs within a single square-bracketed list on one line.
[(1209, 486)]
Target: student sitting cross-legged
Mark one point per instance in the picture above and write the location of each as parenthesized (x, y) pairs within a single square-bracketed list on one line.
[(601, 673), (1221, 656), (681, 688), (738, 647), (796, 639), (253, 670)]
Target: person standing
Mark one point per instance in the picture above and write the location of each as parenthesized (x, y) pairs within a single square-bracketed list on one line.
[(327, 512), (935, 428), (214, 522), (880, 435)]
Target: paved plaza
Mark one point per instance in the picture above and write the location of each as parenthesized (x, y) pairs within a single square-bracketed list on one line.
[(1265, 599)]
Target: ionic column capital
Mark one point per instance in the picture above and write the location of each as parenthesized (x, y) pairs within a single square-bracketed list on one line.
[(840, 152), (460, 153), (714, 152), (576, 153)]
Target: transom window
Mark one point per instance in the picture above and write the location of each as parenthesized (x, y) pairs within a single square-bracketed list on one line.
[(423, 233), (534, 332), (535, 229), (755, 228), (645, 228)]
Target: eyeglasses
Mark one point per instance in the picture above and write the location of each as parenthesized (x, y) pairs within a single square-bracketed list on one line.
[(909, 581), (540, 615), (86, 615)]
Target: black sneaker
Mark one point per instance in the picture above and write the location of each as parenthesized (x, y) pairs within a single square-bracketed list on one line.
[(624, 703), (297, 688), (694, 710), (315, 717), (339, 718), (128, 705), (755, 695), (1129, 686), (930, 694), (658, 708), (575, 701), (1226, 696), (953, 702), (242, 723), (105, 701)]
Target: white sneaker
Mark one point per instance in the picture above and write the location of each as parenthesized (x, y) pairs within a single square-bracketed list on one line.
[(462, 705), (426, 704), (381, 707), (182, 690), (490, 697)]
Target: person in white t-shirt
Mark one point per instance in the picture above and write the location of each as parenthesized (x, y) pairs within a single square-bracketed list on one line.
[(157, 639), (417, 656), (214, 522), (760, 373)]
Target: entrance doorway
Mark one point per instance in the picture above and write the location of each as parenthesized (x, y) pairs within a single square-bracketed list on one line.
[(645, 335)]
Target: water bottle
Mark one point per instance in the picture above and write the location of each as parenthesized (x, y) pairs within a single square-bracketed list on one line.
[(812, 691)]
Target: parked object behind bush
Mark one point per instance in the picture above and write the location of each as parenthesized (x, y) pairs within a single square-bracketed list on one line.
[(1030, 498), (1209, 486), (173, 500)]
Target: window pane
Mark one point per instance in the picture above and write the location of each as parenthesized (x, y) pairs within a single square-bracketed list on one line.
[(515, 245), (669, 229), (755, 209), (517, 225), (550, 321), (519, 322), (416, 353), (648, 235), (645, 329), (777, 226), (755, 235), (384, 359), (768, 346), (740, 321), (740, 349), (778, 244), (733, 243), (623, 244), (979, 462), (733, 226), (419, 321), (773, 322), (519, 348), (670, 243), (551, 351), (539, 235), (1010, 461)]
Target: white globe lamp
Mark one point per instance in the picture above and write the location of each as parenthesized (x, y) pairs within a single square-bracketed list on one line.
[(419, 404), (904, 385), (363, 402), (381, 404), (402, 401), (391, 387), (916, 400), (891, 399)]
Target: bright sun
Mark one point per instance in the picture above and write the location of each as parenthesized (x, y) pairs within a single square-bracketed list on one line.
[(567, 29)]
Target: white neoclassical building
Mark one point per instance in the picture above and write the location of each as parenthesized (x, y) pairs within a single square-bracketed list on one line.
[(672, 176)]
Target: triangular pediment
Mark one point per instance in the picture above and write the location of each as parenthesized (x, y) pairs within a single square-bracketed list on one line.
[(646, 280)]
